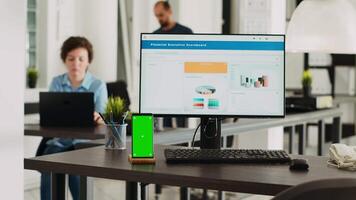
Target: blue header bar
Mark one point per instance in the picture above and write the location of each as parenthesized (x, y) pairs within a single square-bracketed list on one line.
[(212, 45)]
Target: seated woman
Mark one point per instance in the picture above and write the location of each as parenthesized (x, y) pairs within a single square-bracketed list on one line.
[(77, 54)]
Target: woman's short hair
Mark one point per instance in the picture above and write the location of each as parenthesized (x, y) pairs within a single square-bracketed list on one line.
[(75, 42)]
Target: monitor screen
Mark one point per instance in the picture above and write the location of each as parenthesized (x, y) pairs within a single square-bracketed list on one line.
[(215, 75)]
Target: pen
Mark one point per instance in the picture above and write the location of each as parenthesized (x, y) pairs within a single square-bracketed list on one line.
[(112, 127), (110, 141), (125, 115), (102, 117)]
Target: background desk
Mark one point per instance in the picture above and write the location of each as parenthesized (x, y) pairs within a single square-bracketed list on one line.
[(247, 178), (184, 135), (245, 125), (90, 133)]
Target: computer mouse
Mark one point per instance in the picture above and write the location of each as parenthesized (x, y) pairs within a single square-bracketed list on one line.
[(299, 164)]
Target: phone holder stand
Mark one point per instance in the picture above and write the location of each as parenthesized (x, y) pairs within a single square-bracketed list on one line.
[(142, 161)]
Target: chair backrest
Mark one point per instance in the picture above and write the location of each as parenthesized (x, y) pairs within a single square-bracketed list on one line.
[(326, 189), (119, 89)]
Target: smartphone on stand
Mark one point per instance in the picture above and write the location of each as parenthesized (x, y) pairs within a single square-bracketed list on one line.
[(142, 136)]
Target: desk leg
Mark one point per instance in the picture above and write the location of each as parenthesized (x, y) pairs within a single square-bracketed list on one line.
[(57, 186), (291, 139), (301, 145), (221, 195), (205, 194), (143, 191), (83, 188), (184, 193), (131, 190), (158, 189), (336, 134), (321, 137), (224, 142)]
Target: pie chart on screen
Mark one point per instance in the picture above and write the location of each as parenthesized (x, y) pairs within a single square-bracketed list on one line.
[(205, 90)]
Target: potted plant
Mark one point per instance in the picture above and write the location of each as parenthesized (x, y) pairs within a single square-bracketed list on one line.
[(116, 114), (32, 76), (307, 82), (115, 110)]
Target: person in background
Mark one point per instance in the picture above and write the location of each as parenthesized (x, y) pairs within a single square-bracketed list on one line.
[(77, 54), (164, 14)]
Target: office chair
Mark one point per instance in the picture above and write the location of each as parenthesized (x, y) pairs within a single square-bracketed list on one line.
[(119, 89), (326, 189)]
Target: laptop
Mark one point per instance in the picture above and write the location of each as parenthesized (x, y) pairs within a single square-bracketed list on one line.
[(72, 109)]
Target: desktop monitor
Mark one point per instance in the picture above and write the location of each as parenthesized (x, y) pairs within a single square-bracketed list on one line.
[(212, 75)]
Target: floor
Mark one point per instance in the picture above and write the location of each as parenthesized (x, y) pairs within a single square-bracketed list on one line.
[(104, 189), (114, 190)]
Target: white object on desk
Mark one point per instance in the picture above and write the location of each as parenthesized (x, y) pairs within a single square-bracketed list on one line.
[(343, 156), (324, 102), (32, 119), (321, 82), (33, 95)]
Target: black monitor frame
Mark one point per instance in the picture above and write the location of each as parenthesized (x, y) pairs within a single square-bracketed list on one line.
[(218, 116)]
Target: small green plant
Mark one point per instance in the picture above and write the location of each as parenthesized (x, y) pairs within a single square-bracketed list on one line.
[(307, 78), (32, 72), (32, 76), (115, 110)]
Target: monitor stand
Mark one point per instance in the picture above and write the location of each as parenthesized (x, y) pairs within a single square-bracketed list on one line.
[(210, 133)]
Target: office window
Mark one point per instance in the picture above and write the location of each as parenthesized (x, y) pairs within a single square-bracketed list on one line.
[(31, 33)]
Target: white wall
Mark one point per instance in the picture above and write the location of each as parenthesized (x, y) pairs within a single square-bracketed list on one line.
[(95, 20), (98, 21), (12, 54), (202, 16), (142, 21), (258, 16), (294, 70)]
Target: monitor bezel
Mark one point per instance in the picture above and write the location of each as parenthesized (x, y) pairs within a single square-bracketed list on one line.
[(219, 115)]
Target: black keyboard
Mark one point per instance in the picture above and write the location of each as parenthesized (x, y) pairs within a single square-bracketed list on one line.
[(225, 156)]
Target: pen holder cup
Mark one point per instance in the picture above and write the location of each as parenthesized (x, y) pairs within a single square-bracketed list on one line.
[(115, 138)]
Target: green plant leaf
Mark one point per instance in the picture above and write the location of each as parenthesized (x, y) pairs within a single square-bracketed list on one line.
[(307, 78), (115, 109), (32, 72)]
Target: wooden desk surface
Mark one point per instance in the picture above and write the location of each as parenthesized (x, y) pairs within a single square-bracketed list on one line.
[(249, 178), (90, 133)]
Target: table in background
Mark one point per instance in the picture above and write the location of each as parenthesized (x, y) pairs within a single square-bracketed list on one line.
[(178, 136), (90, 133)]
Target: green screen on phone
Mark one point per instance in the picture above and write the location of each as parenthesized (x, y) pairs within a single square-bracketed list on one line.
[(142, 136)]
